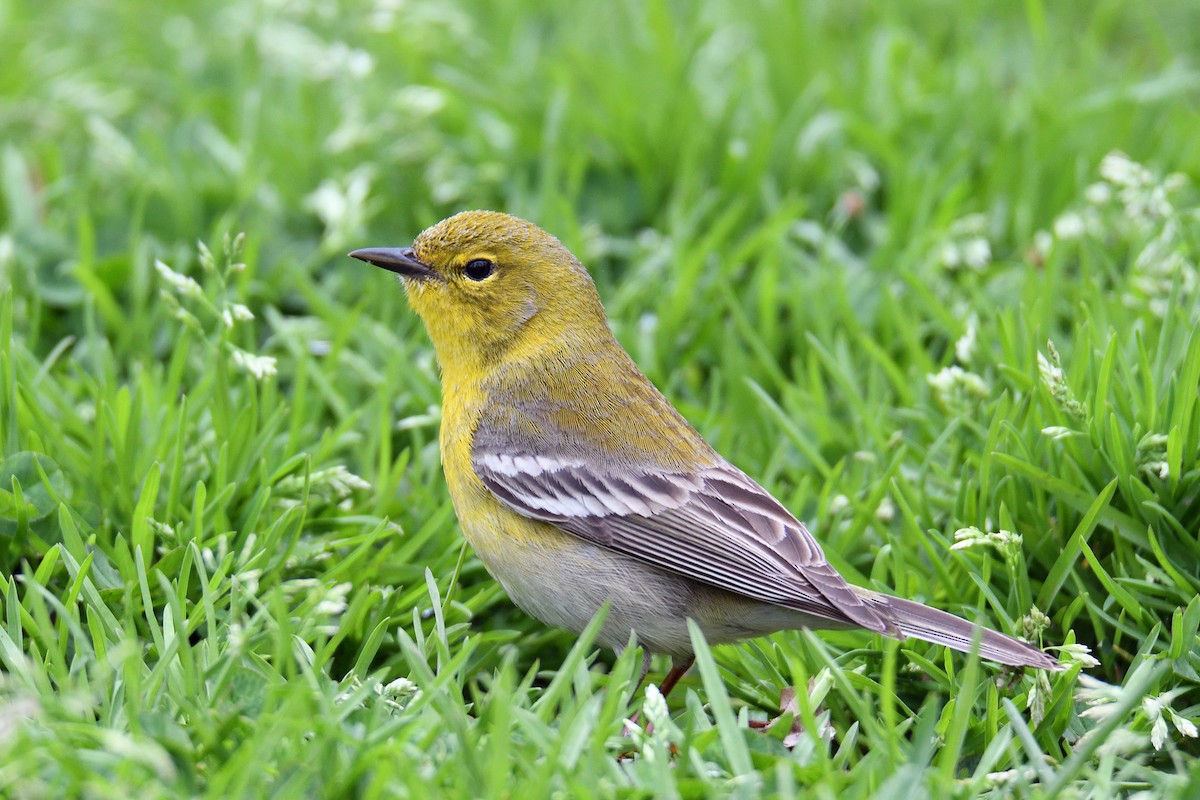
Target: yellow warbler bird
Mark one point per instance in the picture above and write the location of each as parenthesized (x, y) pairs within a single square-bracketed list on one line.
[(577, 483)]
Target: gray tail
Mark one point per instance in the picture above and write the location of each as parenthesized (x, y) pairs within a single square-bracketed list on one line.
[(930, 625)]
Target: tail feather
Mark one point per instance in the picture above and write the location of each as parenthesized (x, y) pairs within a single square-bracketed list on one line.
[(930, 625)]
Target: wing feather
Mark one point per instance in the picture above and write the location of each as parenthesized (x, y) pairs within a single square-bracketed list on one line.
[(714, 525)]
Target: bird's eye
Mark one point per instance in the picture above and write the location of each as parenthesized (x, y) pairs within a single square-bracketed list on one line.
[(479, 269)]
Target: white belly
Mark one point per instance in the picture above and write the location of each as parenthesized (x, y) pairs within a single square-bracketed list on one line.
[(563, 581)]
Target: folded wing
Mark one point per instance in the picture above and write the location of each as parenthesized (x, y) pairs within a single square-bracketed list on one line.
[(714, 525)]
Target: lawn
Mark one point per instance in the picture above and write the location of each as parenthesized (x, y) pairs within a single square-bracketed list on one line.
[(927, 270)]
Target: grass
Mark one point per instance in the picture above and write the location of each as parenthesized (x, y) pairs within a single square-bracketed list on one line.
[(887, 257)]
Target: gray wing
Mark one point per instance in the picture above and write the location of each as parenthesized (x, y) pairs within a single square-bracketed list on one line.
[(714, 525)]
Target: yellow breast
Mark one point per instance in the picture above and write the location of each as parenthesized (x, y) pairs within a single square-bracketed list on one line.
[(507, 543)]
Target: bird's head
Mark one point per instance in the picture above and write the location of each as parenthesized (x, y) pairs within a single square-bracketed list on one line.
[(485, 283)]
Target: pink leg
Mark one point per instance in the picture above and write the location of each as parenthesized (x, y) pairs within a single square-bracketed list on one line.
[(673, 677)]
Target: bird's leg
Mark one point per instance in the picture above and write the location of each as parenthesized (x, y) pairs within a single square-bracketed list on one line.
[(668, 683), (674, 675)]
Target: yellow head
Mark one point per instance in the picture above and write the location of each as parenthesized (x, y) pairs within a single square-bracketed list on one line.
[(488, 284)]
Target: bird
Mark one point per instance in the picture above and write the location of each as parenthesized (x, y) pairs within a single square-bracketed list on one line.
[(578, 484)]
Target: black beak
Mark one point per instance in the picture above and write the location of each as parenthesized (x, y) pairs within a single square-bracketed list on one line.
[(395, 259)]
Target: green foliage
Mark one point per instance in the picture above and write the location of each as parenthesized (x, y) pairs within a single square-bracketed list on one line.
[(890, 258)]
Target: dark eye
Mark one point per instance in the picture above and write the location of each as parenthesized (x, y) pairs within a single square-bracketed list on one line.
[(479, 269)]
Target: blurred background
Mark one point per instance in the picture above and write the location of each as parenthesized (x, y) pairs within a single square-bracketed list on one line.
[(317, 125)]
